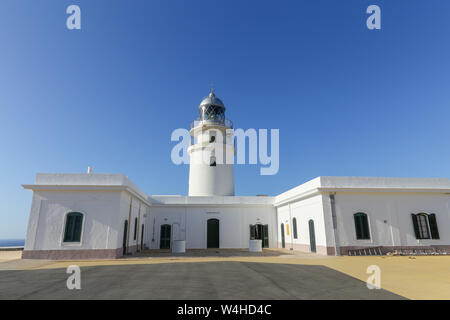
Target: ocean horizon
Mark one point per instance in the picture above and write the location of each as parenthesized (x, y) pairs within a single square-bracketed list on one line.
[(12, 242)]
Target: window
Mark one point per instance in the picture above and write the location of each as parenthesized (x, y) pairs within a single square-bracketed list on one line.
[(212, 113), (361, 226), (135, 228), (294, 227), (422, 222), (212, 137), (212, 161), (72, 230), (425, 226)]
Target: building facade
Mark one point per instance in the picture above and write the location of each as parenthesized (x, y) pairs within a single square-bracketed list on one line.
[(104, 216)]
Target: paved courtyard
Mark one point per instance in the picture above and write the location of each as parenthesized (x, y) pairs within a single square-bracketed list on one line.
[(227, 274), (203, 280)]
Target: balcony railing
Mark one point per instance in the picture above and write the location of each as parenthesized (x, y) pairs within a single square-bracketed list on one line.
[(226, 123)]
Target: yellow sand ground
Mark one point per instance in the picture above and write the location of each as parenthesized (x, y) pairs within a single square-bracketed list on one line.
[(10, 255), (418, 277)]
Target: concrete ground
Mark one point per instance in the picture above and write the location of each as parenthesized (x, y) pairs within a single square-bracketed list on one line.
[(186, 281), (276, 274)]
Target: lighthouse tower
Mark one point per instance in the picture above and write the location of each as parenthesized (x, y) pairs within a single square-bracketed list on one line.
[(212, 152)]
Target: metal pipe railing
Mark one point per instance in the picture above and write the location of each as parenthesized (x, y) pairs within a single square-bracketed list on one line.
[(226, 123)]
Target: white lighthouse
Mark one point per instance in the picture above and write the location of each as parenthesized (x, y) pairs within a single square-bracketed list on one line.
[(212, 152)]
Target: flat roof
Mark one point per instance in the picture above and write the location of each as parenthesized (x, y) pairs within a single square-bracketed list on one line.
[(363, 184), (86, 181), (210, 200)]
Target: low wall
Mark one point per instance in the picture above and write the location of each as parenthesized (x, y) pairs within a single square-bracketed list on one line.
[(327, 251), (72, 254), (386, 249), (11, 248)]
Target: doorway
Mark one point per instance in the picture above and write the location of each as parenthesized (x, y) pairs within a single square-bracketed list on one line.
[(125, 234), (164, 236), (260, 232), (213, 233), (283, 242), (312, 236)]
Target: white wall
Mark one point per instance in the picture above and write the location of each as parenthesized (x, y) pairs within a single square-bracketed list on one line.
[(138, 210), (395, 209), (303, 210), (234, 224), (105, 211), (205, 180), (47, 219)]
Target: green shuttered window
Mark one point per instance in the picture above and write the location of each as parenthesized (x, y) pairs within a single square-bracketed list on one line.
[(74, 224), (361, 226), (425, 226)]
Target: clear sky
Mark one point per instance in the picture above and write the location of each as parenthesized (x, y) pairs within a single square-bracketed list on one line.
[(347, 100)]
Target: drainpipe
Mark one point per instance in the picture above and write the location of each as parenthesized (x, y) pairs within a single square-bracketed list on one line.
[(291, 233), (185, 224), (334, 219), (277, 229)]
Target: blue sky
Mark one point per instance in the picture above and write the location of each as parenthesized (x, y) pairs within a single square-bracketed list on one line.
[(347, 100)]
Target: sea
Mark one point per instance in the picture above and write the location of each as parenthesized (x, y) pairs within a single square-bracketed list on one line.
[(12, 242)]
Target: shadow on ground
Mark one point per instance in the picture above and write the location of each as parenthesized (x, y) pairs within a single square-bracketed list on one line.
[(206, 253), (186, 281)]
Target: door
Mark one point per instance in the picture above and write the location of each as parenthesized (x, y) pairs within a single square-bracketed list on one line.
[(312, 236), (212, 233), (283, 243), (164, 237), (252, 232), (176, 231), (125, 234), (265, 240), (260, 232)]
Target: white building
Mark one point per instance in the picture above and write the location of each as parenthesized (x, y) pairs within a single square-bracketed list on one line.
[(79, 216)]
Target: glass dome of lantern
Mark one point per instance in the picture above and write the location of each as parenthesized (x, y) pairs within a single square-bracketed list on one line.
[(211, 111)]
